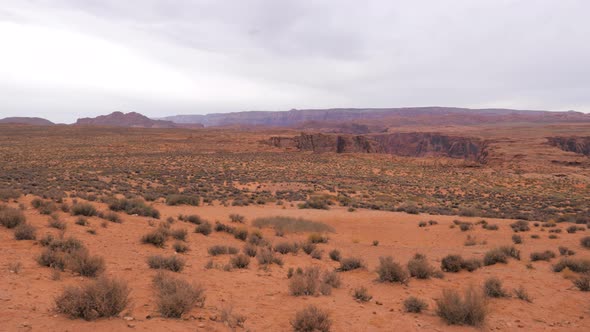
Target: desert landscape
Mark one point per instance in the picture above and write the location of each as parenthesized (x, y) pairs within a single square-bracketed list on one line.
[(294, 165), (245, 228)]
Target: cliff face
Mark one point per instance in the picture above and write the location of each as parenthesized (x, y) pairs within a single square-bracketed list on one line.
[(580, 145), (401, 144)]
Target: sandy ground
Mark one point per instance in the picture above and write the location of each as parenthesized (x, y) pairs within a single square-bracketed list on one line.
[(26, 298)]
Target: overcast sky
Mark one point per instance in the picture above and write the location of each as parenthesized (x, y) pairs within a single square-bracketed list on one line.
[(64, 59)]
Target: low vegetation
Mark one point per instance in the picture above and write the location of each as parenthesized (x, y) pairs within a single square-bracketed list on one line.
[(292, 225)]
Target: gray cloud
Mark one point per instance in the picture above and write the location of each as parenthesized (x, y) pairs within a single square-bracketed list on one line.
[(168, 57)]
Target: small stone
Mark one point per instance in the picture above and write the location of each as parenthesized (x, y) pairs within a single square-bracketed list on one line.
[(131, 325), (128, 318), (213, 317), (201, 325)]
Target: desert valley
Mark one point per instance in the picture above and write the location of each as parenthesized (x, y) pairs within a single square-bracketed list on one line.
[(388, 222)]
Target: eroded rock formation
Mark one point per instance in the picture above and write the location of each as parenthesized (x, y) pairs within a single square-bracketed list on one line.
[(403, 144), (576, 144)]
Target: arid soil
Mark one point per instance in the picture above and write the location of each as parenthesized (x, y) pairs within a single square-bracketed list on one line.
[(378, 204)]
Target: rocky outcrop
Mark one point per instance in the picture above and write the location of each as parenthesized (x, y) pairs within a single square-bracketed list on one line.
[(119, 119), (414, 144), (575, 144), (27, 121)]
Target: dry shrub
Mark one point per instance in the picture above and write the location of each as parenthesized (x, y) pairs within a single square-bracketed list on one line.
[(82, 262), (112, 217), (390, 271), (451, 263), (180, 247), (522, 294), (469, 309), (204, 228), (317, 238), (72, 254), (500, 255), (175, 296), (361, 294), (585, 242), (11, 217), (311, 282), (335, 255), (414, 304), (179, 234), (134, 206), (25, 231), (178, 199), (419, 267), (83, 209), (311, 319), (493, 288), (308, 247), (565, 251), (292, 225), (172, 263), (286, 247), (241, 234), (542, 256), (516, 239), (520, 226), (157, 237), (234, 217), (240, 261), (266, 257), (230, 318), (100, 298), (250, 249), (579, 265), (351, 263), (583, 282), (221, 250), (56, 223)]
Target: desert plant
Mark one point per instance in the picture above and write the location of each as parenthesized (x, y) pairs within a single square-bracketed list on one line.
[(308, 247), (234, 217), (266, 257), (286, 247), (112, 217), (83, 209), (250, 249), (103, 297), (172, 263), (178, 199), (351, 263), (493, 288), (414, 304), (565, 251), (241, 234), (25, 231), (55, 222), (335, 255), (361, 294), (585, 242), (579, 265), (469, 309), (583, 282), (542, 256), (451, 263), (11, 217), (522, 294), (520, 226), (419, 267), (204, 228), (516, 239), (179, 234), (390, 271), (175, 296), (317, 238), (180, 247), (292, 225), (311, 319), (134, 206), (240, 261), (156, 237)]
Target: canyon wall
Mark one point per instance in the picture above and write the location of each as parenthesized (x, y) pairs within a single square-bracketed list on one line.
[(580, 145)]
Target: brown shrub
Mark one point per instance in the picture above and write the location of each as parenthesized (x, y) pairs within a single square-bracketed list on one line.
[(100, 298), (493, 288), (172, 263), (469, 309), (25, 231), (390, 271), (351, 263), (240, 261), (414, 304), (11, 217), (175, 296), (311, 319), (419, 267), (361, 294)]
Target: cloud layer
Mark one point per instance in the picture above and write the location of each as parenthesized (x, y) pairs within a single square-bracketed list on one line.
[(64, 59)]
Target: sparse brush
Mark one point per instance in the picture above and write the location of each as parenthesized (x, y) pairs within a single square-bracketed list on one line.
[(469, 309), (221, 250), (308, 247), (311, 319), (361, 294), (240, 261), (351, 263), (204, 228), (234, 217), (250, 250), (292, 225), (516, 239), (493, 288), (179, 234), (390, 271), (585, 242), (11, 217), (420, 268), (522, 294), (414, 304), (172, 263), (583, 282), (175, 296), (180, 247), (317, 238), (96, 299), (335, 255), (542, 256), (83, 209), (25, 231), (286, 247), (156, 237)]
